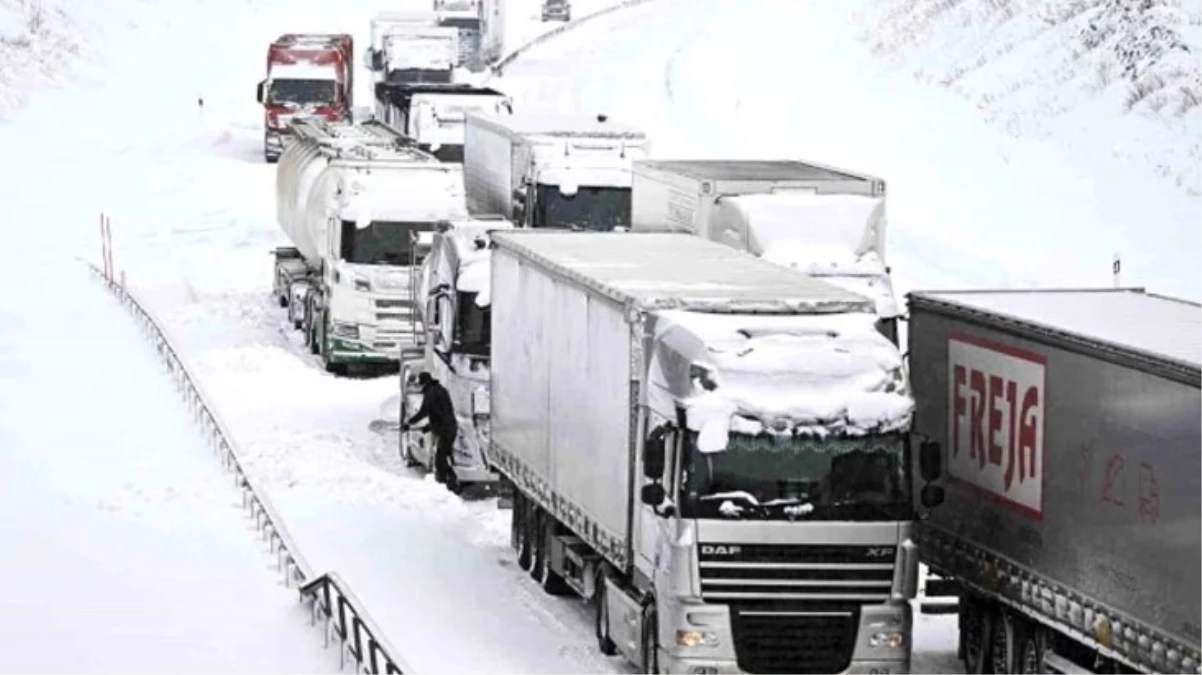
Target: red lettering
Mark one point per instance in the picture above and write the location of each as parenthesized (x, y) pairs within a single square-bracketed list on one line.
[(976, 426), (996, 389), (1115, 481), (1028, 450), (958, 406), (1149, 495), (1011, 432)]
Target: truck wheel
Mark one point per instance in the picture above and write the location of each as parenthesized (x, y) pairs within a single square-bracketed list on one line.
[(540, 570), (601, 617), (975, 632), (515, 532), (1003, 645), (650, 640), (1030, 654), (525, 554), (282, 299)]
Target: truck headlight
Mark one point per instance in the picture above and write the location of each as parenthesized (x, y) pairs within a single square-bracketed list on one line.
[(696, 638), (888, 640), (362, 284), (347, 330)]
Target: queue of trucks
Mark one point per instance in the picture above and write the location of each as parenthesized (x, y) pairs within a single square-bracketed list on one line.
[(698, 400)]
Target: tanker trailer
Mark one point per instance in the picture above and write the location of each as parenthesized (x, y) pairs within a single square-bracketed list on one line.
[(352, 198)]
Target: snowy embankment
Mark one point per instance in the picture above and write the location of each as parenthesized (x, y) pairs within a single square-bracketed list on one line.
[(1102, 78), (969, 204), (125, 547)]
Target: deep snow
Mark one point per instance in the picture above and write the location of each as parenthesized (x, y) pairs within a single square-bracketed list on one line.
[(194, 218), (125, 546)]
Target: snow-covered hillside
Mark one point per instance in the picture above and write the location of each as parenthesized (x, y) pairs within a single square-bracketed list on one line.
[(1117, 78)]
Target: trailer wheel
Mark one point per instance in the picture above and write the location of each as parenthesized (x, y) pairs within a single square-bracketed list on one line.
[(540, 571), (515, 531), (601, 617), (1004, 642), (1030, 654), (525, 555), (650, 640), (975, 631)]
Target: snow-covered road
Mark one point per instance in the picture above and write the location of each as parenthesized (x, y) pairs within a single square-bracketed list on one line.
[(125, 547)]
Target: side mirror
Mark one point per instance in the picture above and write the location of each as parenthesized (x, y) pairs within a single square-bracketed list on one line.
[(259, 91), (653, 455), (653, 494), (930, 460), (932, 496)]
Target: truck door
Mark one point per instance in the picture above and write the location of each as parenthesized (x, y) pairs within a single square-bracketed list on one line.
[(652, 528)]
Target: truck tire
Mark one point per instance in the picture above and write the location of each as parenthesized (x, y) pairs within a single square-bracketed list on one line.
[(605, 645), (1004, 642), (547, 578), (1031, 649), (521, 519), (976, 629), (650, 640)]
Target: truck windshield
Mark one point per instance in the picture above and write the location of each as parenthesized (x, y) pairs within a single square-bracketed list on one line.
[(381, 243), (473, 326), (795, 477), (590, 208), (302, 92)]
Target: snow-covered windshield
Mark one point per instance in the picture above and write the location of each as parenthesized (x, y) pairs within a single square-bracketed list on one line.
[(381, 243), (588, 208), (302, 92), (473, 326), (783, 477)]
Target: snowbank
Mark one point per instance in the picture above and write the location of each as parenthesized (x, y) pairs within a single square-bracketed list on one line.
[(1110, 76), (797, 374), (38, 41)]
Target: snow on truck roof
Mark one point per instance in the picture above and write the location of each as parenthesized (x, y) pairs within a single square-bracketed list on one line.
[(739, 169), (673, 270), (557, 124), (1127, 318)]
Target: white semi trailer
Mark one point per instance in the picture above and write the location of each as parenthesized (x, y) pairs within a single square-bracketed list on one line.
[(821, 220), (547, 170), (452, 299), (349, 197), (709, 446)]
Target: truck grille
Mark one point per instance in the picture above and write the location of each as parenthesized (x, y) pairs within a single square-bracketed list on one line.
[(392, 304), (780, 641), (819, 576), (795, 609)]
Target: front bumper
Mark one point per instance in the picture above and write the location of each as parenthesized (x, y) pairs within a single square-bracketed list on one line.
[(688, 666), (351, 351)]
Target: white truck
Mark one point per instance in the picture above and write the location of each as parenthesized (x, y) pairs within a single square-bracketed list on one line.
[(821, 220), (349, 196), (548, 170), (463, 16), (411, 47), (711, 447), (452, 299), (492, 30), (434, 115)]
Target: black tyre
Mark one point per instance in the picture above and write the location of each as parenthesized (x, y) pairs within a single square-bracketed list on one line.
[(976, 632), (525, 538), (650, 640), (1004, 643), (601, 618), (1031, 649)]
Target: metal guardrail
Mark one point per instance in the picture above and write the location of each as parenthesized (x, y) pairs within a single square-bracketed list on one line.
[(499, 67), (327, 595)]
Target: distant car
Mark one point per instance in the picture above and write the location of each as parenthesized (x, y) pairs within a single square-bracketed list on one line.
[(557, 10)]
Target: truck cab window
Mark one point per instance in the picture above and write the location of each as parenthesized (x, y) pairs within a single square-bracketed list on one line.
[(473, 325), (588, 208), (381, 243), (303, 92)]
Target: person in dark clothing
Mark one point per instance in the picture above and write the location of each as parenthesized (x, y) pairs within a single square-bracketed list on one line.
[(437, 408)]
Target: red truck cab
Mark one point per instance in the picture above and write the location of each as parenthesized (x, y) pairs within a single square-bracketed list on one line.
[(307, 76)]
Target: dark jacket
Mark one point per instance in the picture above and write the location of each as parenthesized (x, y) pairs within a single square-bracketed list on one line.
[(437, 407)]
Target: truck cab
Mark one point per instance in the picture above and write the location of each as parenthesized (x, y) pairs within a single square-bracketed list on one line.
[(452, 299), (433, 115), (551, 171), (308, 76), (781, 543), (556, 10)]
